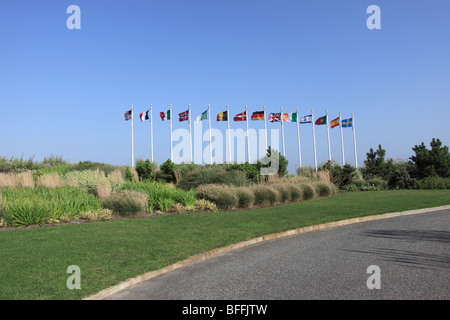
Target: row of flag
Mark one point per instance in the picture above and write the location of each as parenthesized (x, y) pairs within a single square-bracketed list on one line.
[(258, 115), (255, 116)]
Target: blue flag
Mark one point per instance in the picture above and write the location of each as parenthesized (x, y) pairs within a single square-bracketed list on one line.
[(347, 123)]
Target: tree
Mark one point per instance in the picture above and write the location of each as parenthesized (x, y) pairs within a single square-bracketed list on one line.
[(431, 162), (282, 162), (377, 165)]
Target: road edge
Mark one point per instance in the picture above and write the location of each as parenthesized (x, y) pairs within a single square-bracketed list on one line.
[(203, 256)]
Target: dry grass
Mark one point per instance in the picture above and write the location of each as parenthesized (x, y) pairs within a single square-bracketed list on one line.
[(50, 180), (17, 180), (103, 188)]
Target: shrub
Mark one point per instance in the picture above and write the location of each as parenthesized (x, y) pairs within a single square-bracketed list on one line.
[(127, 202), (400, 179), (296, 192), (178, 208), (146, 169), (222, 195), (433, 182), (265, 194), (158, 191), (212, 176), (205, 205), (378, 183), (349, 187), (26, 206), (245, 197), (97, 215), (322, 189), (283, 191), (308, 192)]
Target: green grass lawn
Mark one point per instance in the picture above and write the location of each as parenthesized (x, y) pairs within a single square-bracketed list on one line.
[(33, 262)]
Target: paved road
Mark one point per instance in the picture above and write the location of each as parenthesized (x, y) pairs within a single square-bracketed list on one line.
[(412, 252)]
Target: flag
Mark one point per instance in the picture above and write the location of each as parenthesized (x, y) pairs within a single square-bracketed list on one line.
[(184, 116), (128, 115), (165, 115), (347, 123), (275, 117), (334, 123), (321, 120), (222, 116), (241, 116), (306, 119), (144, 116), (203, 116), (258, 115), (292, 117)]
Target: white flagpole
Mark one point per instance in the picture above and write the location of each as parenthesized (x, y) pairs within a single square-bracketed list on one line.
[(328, 133), (342, 139), (314, 140), (171, 116), (190, 132), (151, 131), (282, 131), (229, 142), (248, 136), (210, 144), (298, 139), (132, 138), (354, 140), (265, 129)]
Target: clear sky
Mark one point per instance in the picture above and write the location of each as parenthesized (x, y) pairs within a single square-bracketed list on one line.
[(64, 92)]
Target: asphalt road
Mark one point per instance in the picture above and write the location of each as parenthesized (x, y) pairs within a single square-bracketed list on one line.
[(412, 253)]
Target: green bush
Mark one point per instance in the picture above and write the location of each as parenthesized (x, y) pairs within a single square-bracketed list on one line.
[(127, 202), (265, 194), (433, 182), (27, 206), (283, 191), (379, 183), (400, 179), (322, 189), (223, 196), (212, 176), (146, 169), (158, 191), (245, 197), (296, 192), (308, 192)]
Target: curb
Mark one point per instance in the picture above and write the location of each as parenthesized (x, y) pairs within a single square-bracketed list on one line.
[(203, 256)]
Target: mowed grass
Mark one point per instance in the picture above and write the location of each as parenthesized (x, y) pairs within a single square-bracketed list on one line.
[(33, 262)]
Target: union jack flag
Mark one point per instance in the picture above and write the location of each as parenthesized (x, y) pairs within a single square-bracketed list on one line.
[(275, 117)]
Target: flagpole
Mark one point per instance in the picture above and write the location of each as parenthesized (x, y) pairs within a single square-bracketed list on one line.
[(190, 132), (282, 130), (328, 133), (248, 136), (151, 131), (171, 151), (132, 138), (314, 139), (298, 139), (265, 128), (342, 139), (354, 140), (210, 144), (229, 142)]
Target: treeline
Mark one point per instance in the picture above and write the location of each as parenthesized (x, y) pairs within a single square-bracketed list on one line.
[(426, 169)]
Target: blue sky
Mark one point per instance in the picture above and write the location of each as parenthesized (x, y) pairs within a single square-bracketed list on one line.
[(64, 92)]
